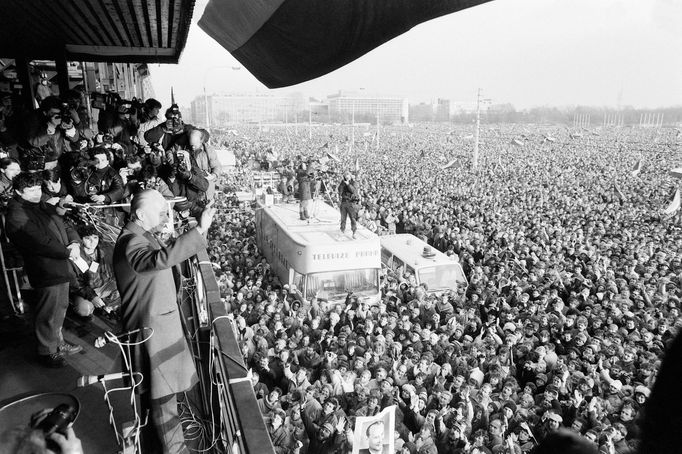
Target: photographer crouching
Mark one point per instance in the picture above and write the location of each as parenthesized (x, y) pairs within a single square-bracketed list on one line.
[(349, 197)]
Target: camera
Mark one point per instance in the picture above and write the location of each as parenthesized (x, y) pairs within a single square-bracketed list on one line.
[(57, 420), (65, 113), (34, 158), (174, 122)]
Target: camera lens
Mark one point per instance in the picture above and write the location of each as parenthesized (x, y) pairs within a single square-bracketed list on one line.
[(57, 420)]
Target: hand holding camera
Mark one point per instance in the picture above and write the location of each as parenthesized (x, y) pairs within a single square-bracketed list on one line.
[(56, 427)]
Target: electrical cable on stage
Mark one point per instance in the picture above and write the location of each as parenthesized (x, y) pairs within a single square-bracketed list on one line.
[(131, 437)]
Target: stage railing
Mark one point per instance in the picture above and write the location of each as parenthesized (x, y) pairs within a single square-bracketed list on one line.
[(225, 383)]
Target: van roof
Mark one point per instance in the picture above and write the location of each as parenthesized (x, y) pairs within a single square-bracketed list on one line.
[(324, 227), (410, 250)]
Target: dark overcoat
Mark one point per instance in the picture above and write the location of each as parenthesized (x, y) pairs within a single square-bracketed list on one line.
[(42, 237), (148, 289)]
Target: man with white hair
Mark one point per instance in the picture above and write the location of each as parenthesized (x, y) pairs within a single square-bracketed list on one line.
[(147, 285)]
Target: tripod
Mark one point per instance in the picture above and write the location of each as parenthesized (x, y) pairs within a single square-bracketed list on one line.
[(324, 190)]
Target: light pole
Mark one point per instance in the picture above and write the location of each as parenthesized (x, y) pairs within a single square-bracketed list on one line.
[(478, 126), (206, 73)]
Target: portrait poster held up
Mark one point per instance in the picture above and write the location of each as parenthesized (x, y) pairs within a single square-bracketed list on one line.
[(375, 434)]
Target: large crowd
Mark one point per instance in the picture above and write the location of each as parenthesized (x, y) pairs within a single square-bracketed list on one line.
[(574, 275), (574, 286)]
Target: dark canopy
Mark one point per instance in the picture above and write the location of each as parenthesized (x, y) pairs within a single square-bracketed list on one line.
[(286, 42)]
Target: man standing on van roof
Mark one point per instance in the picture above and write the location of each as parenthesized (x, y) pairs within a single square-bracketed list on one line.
[(349, 197)]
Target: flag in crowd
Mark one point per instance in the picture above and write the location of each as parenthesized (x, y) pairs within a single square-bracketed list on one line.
[(619, 193), (449, 164), (638, 168), (674, 205), (334, 156)]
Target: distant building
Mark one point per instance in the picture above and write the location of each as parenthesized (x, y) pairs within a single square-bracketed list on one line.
[(249, 108), (442, 109), (345, 105), (439, 109), (422, 112)]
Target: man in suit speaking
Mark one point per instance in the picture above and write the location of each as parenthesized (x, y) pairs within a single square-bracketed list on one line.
[(145, 279)]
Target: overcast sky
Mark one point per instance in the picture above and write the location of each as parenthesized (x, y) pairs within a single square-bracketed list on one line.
[(525, 52)]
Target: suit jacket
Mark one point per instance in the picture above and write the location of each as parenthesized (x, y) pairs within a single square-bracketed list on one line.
[(384, 450), (144, 275), (42, 237)]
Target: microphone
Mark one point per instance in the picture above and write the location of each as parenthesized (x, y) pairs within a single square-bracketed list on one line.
[(86, 380)]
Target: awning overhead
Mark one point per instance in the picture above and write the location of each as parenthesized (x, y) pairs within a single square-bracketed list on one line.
[(144, 31), (286, 42)]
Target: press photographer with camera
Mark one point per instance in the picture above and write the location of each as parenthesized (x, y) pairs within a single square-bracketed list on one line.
[(149, 118), (205, 157), (123, 127), (98, 182), (185, 179), (138, 177), (54, 192), (349, 197), (173, 133), (48, 133)]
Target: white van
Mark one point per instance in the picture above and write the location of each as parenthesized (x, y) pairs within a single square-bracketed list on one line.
[(408, 253)]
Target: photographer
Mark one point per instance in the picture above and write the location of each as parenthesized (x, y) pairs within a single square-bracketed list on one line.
[(99, 183), (138, 177), (72, 102), (54, 192), (49, 132), (122, 127), (305, 191), (173, 133), (149, 119), (185, 179), (205, 157), (349, 197)]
